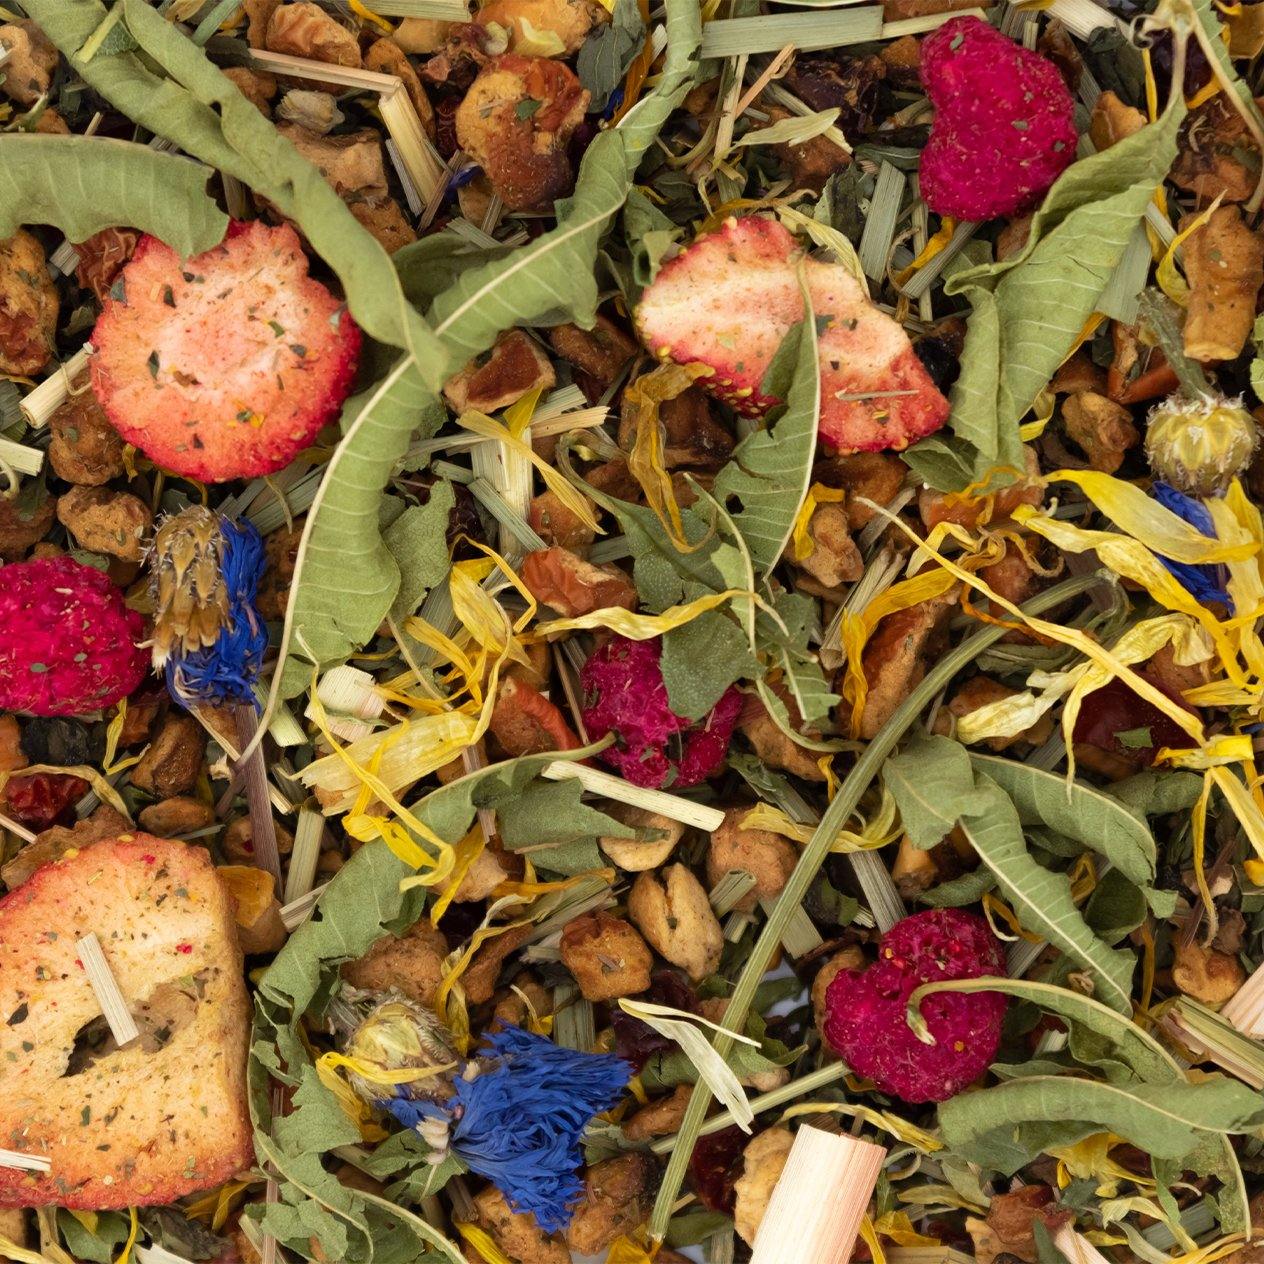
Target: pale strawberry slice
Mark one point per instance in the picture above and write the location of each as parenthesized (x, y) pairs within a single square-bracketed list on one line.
[(728, 300), (225, 365)]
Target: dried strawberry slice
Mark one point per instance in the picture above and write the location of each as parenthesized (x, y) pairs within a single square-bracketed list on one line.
[(225, 365)]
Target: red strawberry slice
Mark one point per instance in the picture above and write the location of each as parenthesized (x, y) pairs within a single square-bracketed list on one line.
[(225, 365), (728, 300)]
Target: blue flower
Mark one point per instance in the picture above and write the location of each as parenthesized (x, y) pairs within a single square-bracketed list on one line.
[(1204, 582), (224, 671), (519, 1123)]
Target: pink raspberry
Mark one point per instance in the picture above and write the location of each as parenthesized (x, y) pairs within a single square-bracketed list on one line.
[(865, 1009), (67, 641), (624, 694), (1004, 126)]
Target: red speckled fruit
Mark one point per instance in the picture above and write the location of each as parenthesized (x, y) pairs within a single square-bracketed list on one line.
[(1004, 126), (728, 301), (624, 694), (67, 641), (865, 1009), (225, 365)]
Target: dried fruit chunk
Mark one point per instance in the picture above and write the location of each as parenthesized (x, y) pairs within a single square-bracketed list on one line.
[(515, 122), (67, 641), (729, 300), (28, 306), (865, 1010), (1004, 126), (225, 365)]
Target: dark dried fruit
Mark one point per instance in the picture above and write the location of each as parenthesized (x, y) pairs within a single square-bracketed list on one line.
[(714, 1167), (1115, 719), (637, 1042), (939, 360), (43, 799), (848, 84), (61, 741)]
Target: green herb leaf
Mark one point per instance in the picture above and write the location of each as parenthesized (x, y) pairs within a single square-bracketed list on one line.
[(83, 184), (417, 540), (607, 53)]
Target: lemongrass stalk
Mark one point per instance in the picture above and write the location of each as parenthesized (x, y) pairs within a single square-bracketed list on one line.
[(813, 857), (109, 996)]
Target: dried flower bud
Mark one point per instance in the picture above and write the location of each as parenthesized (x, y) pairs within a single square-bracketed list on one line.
[(1200, 446)]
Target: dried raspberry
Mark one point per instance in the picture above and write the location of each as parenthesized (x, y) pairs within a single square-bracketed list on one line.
[(624, 694), (865, 1010), (67, 641), (1004, 126), (42, 799)]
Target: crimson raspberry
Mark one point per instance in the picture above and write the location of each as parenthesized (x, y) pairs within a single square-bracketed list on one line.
[(865, 1009), (624, 694), (1004, 127), (67, 641)]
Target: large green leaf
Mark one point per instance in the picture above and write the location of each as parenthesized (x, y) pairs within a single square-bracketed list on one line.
[(771, 469), (83, 184), (933, 785), (1077, 810), (1008, 1126), (1029, 309), (1040, 898)]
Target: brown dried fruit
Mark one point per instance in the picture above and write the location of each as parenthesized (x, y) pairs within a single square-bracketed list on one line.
[(615, 1200), (556, 523), (601, 352), (411, 964), (174, 759), (479, 979), (502, 376), (1208, 976), (808, 163), (54, 843), (691, 435), (175, 816), (258, 15), (877, 476), (85, 448), (914, 870), (25, 520), (28, 71), (11, 755), (28, 306), (101, 258), (352, 164), (421, 35), (281, 548), (239, 841), (1224, 264), (1101, 428), (569, 21), (672, 911), (1011, 1216), (561, 579), (834, 559), (387, 58), (770, 742), (516, 1233), (386, 221), (1216, 156), (515, 122), (633, 856), (608, 957), (936, 507), (483, 876), (894, 660), (105, 521), (525, 722), (763, 1161), (306, 30), (661, 1118), (768, 857), (257, 86), (1113, 121), (513, 1006), (903, 60)]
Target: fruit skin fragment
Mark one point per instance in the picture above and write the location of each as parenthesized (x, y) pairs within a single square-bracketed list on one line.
[(727, 302), (865, 1009), (67, 641), (225, 365), (1004, 127)]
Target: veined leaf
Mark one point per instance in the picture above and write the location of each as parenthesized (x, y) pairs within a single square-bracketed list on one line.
[(1040, 898), (1009, 1125), (1028, 310), (82, 184), (1077, 810), (933, 784), (771, 469)]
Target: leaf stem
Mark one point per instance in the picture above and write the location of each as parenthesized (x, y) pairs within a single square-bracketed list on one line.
[(813, 856)]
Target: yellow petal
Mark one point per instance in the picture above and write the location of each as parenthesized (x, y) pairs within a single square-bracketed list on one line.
[(642, 627)]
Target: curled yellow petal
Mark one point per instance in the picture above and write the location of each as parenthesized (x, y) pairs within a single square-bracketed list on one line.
[(818, 494), (1166, 274), (643, 627)]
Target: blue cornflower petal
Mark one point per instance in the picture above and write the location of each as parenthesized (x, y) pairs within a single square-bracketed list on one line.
[(225, 671), (1205, 582), (520, 1123)]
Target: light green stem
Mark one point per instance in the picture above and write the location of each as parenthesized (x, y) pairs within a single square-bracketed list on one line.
[(810, 861)]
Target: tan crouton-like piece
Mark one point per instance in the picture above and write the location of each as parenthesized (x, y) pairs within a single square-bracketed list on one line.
[(165, 1116)]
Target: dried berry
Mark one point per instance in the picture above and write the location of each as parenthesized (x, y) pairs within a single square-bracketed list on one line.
[(61, 741), (624, 694), (714, 1167), (42, 799), (865, 1010), (67, 641), (1004, 125)]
